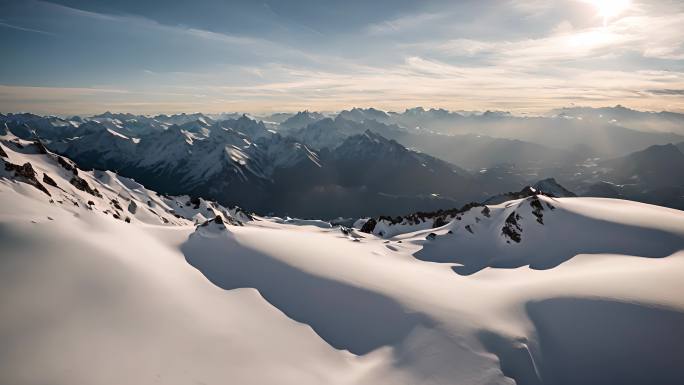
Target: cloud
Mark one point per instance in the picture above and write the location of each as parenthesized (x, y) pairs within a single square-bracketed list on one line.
[(523, 55), (667, 92), (25, 29)]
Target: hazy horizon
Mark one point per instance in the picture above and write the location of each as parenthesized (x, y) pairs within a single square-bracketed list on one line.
[(524, 56)]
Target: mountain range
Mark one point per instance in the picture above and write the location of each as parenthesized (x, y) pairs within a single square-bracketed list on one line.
[(295, 164)]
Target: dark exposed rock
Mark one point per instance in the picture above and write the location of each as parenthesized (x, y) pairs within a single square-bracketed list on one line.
[(486, 211), (27, 174), (431, 236), (127, 220), (3, 153), (239, 211), (217, 219), (116, 204), (512, 228), (132, 207), (48, 180), (196, 202), (537, 209), (67, 164), (439, 217), (41, 147), (439, 222), (470, 229), (369, 226), (82, 185)]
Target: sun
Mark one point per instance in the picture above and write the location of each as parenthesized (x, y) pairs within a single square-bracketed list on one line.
[(610, 9)]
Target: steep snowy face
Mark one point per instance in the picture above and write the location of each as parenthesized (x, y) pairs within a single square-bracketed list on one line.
[(63, 184), (380, 161)]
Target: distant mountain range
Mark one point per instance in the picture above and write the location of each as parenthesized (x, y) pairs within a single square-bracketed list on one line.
[(365, 162)]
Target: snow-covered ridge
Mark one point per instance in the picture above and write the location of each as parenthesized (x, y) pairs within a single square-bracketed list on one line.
[(59, 181), (89, 298), (385, 226)]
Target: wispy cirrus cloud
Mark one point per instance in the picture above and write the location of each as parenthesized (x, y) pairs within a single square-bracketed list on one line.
[(522, 55)]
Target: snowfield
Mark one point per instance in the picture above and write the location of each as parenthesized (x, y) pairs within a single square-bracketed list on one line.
[(591, 293)]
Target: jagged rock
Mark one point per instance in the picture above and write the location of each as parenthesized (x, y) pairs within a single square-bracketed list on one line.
[(132, 207), (486, 211), (41, 147), (512, 228), (369, 226), (82, 185), (27, 174), (439, 217), (195, 201), (217, 219), (470, 229), (48, 180), (242, 214), (439, 222), (67, 164), (3, 153), (116, 204), (537, 209)]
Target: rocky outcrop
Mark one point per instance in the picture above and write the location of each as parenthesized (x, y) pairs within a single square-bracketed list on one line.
[(537, 209), (82, 185), (132, 207), (67, 164), (512, 229), (369, 226), (48, 180), (25, 173)]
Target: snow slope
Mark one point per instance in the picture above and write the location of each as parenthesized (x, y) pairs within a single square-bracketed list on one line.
[(90, 299)]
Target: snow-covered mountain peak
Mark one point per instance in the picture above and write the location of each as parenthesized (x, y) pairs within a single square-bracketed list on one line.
[(64, 185)]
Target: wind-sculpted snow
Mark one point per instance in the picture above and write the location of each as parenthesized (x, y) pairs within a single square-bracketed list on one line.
[(572, 227), (607, 342), (89, 298), (346, 316)]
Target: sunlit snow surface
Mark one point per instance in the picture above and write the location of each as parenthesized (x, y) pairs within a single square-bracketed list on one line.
[(592, 296)]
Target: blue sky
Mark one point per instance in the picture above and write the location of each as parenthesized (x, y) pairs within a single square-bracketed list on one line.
[(525, 56)]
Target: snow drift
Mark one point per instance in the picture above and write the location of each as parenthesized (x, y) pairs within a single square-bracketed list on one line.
[(578, 291)]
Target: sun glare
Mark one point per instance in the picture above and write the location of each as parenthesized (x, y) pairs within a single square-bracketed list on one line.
[(610, 9)]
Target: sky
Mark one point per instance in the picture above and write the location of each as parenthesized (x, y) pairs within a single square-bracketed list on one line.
[(524, 56)]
